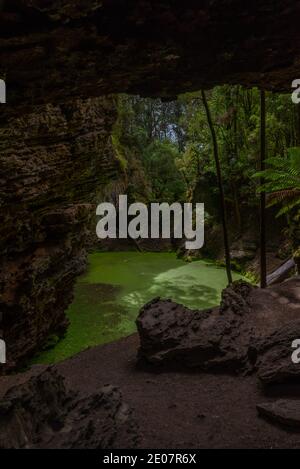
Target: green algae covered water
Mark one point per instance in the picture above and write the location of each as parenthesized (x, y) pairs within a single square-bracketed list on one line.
[(109, 295)]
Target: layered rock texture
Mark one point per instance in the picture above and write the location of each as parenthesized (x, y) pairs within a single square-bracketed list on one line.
[(283, 412), (41, 411), (53, 161), (51, 50), (252, 330)]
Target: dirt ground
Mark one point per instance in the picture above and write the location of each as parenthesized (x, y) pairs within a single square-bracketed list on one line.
[(176, 409)]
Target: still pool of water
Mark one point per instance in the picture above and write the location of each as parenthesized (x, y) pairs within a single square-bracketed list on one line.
[(109, 295)]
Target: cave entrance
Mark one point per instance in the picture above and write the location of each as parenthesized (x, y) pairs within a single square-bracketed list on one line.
[(62, 63), (162, 152)]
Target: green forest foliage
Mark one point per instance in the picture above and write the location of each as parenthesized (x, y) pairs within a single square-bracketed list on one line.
[(168, 146), (282, 181)]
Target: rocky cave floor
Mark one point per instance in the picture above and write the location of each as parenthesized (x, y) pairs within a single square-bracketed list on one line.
[(223, 378)]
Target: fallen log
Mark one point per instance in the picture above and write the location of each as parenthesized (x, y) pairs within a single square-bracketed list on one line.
[(281, 272)]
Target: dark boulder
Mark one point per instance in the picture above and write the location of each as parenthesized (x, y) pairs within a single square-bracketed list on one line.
[(252, 330), (172, 334), (41, 412), (275, 363), (283, 412)]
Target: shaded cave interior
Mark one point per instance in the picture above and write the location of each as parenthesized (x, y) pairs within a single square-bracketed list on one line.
[(62, 67)]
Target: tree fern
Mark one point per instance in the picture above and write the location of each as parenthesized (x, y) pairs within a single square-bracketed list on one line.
[(282, 181)]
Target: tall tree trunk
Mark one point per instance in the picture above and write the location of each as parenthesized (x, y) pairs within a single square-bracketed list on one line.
[(236, 207), (236, 154), (263, 256), (220, 184), (297, 110)]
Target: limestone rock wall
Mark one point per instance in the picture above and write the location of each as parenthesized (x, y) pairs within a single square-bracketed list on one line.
[(53, 161), (53, 49)]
